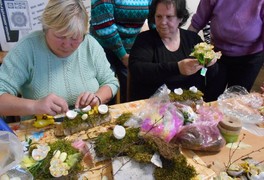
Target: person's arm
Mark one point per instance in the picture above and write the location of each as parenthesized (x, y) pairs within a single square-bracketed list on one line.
[(106, 27), (11, 105), (202, 16)]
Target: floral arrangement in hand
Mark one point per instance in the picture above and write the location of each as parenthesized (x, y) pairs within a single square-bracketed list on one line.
[(204, 53)]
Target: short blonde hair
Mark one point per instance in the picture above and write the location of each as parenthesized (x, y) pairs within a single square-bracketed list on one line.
[(68, 17)]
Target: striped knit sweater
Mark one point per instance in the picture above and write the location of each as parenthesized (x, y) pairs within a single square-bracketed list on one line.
[(116, 23)]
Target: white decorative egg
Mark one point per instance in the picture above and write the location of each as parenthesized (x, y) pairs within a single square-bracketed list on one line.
[(119, 132), (103, 109), (193, 89), (87, 108), (84, 116), (71, 114), (178, 91)]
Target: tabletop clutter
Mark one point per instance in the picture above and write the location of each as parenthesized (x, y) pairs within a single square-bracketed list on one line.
[(150, 137)]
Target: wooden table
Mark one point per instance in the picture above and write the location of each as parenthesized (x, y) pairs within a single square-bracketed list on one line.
[(206, 164)]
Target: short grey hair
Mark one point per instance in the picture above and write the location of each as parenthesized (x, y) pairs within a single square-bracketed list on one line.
[(66, 16)]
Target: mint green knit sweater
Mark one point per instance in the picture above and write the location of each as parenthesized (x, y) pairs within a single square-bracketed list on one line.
[(32, 70)]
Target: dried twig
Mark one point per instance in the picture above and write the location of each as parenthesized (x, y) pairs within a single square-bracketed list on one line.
[(231, 154)]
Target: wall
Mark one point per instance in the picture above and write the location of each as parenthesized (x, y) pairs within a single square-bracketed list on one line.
[(192, 6)]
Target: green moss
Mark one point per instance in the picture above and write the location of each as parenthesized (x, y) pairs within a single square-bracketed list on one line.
[(123, 118), (141, 153), (106, 145), (186, 95), (176, 169), (41, 169)]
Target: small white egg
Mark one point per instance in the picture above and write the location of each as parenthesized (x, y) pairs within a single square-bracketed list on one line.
[(193, 89), (119, 132), (84, 116), (103, 109), (178, 91), (71, 114), (87, 108)]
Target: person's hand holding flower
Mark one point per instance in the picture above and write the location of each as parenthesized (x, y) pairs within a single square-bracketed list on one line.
[(205, 55)]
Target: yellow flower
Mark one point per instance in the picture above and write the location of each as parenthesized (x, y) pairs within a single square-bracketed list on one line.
[(204, 53)]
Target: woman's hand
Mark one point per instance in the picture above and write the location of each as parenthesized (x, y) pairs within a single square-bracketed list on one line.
[(51, 105), (212, 62), (87, 98), (189, 66)]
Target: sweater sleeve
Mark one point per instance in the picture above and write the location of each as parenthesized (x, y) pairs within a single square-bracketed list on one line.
[(15, 70), (203, 14), (104, 25), (141, 61)]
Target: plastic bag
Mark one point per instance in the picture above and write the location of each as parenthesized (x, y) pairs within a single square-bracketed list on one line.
[(211, 114), (11, 151), (237, 103), (160, 117), (200, 136)]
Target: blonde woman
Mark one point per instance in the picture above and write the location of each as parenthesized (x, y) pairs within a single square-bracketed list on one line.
[(56, 68)]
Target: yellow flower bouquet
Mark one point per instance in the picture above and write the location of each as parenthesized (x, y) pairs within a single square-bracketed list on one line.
[(204, 53)]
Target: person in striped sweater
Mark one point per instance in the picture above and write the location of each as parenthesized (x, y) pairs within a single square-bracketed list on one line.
[(115, 24)]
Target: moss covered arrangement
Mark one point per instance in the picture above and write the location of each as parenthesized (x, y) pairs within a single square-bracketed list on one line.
[(94, 118), (40, 170), (186, 96), (142, 149)]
